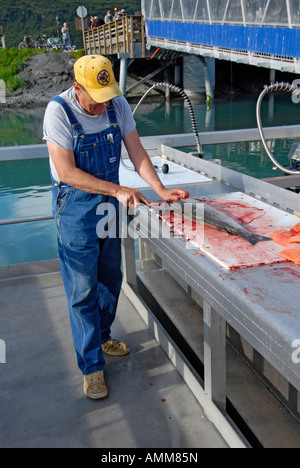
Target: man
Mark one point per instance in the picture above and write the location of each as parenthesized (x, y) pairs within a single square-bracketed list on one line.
[(92, 22), (117, 14), (66, 37), (84, 128), (98, 21), (108, 18)]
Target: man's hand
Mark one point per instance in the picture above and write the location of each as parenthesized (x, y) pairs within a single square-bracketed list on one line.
[(131, 197), (174, 194), (146, 170)]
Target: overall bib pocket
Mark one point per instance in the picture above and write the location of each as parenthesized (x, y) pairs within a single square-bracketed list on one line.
[(99, 154), (62, 199)]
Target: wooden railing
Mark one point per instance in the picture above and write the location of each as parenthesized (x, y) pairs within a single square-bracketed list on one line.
[(125, 36)]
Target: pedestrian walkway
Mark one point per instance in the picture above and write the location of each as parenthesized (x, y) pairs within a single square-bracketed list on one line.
[(42, 404)]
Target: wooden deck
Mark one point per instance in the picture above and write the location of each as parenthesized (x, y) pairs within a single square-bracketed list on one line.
[(125, 36)]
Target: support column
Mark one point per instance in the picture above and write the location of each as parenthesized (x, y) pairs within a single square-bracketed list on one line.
[(271, 100), (123, 72), (215, 356), (177, 74), (272, 76), (167, 80), (199, 77), (208, 87)]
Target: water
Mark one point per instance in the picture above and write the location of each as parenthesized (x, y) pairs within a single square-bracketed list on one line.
[(25, 190), (25, 185)]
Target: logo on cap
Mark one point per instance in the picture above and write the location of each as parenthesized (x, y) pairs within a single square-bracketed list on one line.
[(103, 78)]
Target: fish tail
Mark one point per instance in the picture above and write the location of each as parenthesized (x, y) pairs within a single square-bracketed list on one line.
[(255, 239)]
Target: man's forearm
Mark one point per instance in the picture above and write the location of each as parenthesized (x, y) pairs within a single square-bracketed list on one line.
[(88, 183), (146, 170), (149, 175)]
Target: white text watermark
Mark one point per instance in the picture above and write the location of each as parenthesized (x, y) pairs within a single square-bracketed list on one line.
[(181, 220), (296, 353), (2, 352)]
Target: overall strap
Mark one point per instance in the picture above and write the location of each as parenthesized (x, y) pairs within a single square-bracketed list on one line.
[(74, 122), (112, 113)]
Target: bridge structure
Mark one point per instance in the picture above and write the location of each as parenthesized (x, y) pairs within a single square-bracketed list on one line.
[(264, 33), (125, 36)]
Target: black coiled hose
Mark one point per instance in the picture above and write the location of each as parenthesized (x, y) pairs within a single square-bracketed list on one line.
[(181, 93)]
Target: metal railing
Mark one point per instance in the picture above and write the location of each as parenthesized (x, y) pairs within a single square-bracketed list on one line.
[(118, 37), (29, 219), (262, 33), (273, 13)]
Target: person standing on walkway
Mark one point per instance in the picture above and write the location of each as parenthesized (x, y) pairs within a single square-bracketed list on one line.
[(84, 128), (118, 14), (108, 18), (66, 37)]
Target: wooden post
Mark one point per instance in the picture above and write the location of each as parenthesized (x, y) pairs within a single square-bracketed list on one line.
[(110, 37), (131, 37), (94, 41), (126, 38), (117, 37), (83, 34), (107, 28)]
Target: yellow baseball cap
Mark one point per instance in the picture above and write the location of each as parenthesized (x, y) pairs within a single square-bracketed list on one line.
[(95, 74)]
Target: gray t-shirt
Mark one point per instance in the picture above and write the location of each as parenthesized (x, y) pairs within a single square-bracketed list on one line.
[(58, 130)]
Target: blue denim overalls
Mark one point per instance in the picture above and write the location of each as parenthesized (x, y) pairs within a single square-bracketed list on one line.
[(90, 265)]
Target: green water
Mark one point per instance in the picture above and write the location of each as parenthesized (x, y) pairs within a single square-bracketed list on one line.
[(25, 185), (25, 191)]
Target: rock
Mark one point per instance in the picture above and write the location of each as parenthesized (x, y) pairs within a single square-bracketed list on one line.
[(49, 74), (46, 75)]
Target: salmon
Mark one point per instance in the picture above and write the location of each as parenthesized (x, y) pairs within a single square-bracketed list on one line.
[(216, 219), (294, 240), (281, 237), (296, 229), (286, 238), (293, 255), (289, 239)]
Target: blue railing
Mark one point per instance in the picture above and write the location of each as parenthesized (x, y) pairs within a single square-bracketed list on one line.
[(281, 42)]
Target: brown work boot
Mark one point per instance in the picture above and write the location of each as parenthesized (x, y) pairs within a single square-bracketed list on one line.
[(94, 386), (115, 348)]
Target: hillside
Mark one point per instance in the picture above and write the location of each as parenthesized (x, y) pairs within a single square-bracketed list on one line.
[(46, 74), (37, 17)]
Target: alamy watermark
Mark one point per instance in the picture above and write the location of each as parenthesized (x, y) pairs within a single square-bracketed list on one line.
[(181, 220), (296, 353), (2, 92), (2, 352)]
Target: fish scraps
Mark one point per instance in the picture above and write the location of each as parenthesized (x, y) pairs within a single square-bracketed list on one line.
[(289, 239)]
